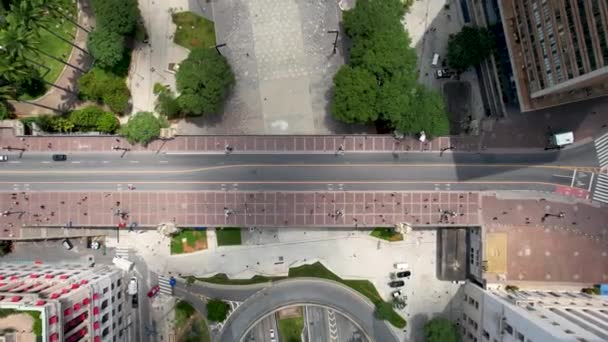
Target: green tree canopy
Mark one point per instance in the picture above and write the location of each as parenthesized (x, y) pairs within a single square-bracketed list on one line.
[(441, 330), (118, 16), (203, 81), (380, 85), (106, 46), (469, 47), (103, 86), (142, 128), (107, 123), (370, 16), (217, 310), (386, 53), (85, 119), (354, 98)]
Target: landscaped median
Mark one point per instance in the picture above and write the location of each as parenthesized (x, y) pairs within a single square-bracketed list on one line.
[(387, 234), (384, 310), (190, 326), (188, 241)]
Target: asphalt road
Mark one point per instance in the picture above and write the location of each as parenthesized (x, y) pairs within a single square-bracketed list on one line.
[(310, 292), (355, 171)]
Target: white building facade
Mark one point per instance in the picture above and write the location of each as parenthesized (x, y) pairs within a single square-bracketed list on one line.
[(533, 316), (75, 302)]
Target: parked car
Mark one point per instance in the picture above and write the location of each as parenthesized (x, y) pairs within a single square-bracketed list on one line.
[(272, 337), (3, 157), (134, 301), (401, 266), (443, 73), (132, 287), (60, 157), (153, 291), (396, 283), (396, 294), (404, 274), (67, 244)]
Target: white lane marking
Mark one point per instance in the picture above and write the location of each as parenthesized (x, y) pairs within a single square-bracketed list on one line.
[(163, 161), (133, 161), (14, 162), (590, 182), (573, 178), (105, 161), (76, 162), (46, 162)]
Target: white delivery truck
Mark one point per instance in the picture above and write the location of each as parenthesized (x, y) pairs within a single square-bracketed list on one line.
[(123, 264), (559, 140), (132, 288)]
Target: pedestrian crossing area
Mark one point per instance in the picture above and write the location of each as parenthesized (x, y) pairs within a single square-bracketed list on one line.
[(601, 149), (163, 284), (600, 193), (122, 252)]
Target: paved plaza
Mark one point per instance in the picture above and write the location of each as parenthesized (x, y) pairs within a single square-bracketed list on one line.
[(282, 57)]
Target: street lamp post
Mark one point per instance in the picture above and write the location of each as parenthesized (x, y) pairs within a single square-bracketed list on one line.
[(335, 40), (217, 48)]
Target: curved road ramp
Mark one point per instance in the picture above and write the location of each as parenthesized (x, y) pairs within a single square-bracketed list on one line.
[(307, 291)]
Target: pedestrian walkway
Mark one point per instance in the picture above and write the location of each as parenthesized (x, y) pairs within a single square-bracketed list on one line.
[(163, 284), (601, 148), (600, 193), (245, 209), (220, 144)]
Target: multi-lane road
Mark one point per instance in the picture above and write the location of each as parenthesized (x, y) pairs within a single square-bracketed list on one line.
[(294, 172)]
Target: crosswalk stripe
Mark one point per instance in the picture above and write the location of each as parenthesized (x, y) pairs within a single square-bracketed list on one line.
[(163, 284), (602, 150), (600, 193), (602, 139), (122, 252)]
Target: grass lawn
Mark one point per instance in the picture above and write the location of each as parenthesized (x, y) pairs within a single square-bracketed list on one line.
[(387, 234), (188, 241), (193, 30), (290, 329), (228, 236), (183, 311), (222, 279)]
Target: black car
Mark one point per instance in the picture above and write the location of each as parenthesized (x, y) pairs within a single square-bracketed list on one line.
[(134, 301), (404, 274), (396, 283), (60, 157)]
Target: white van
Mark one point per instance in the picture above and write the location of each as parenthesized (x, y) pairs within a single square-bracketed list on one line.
[(123, 264), (435, 59), (401, 266), (132, 287)]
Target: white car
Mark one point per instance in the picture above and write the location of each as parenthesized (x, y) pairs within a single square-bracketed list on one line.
[(132, 287), (272, 337), (3, 157), (396, 294)]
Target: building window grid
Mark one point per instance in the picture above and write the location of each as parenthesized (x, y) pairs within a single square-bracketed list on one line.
[(601, 30), (586, 33)]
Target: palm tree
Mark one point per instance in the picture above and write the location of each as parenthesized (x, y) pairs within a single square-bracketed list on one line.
[(56, 8), (18, 41), (27, 15)]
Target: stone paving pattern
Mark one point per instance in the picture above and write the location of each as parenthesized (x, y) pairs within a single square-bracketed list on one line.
[(187, 209), (569, 249), (250, 143)]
